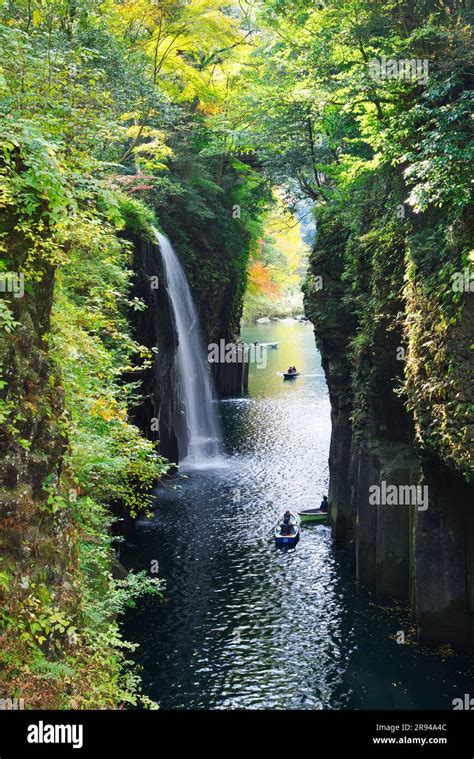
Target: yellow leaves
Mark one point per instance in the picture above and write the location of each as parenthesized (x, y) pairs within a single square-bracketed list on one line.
[(153, 155), (148, 144), (156, 148), (140, 130), (36, 17), (193, 48), (107, 409)]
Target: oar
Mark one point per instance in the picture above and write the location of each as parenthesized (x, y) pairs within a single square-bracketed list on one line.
[(269, 532)]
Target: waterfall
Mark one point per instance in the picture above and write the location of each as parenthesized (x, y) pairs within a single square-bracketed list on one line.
[(201, 440)]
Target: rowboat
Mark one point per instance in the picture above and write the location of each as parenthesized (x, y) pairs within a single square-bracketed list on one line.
[(314, 515), (288, 540), (290, 375)]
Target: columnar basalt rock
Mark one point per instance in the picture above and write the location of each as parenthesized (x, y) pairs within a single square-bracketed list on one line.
[(384, 428)]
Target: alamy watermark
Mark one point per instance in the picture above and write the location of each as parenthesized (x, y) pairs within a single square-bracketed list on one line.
[(399, 495), (230, 353), (45, 733), (408, 69), (400, 353), (12, 282), (12, 704), (463, 281), (237, 636), (466, 703)]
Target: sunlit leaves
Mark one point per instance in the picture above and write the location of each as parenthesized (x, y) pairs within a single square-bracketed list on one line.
[(190, 47)]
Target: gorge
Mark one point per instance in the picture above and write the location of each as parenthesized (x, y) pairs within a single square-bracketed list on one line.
[(156, 160)]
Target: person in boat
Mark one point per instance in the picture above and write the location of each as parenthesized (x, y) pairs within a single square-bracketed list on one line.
[(292, 370), (324, 505), (286, 528)]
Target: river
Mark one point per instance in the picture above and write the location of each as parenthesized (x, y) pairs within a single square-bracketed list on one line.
[(244, 624)]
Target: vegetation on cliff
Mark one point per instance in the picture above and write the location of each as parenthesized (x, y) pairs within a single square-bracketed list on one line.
[(117, 115), (367, 112), (98, 105), (68, 449), (365, 109)]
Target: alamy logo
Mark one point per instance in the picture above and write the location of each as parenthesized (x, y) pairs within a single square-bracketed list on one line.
[(412, 69), (12, 704), (229, 353), (399, 495), (12, 282), (466, 703), (463, 281), (42, 733)]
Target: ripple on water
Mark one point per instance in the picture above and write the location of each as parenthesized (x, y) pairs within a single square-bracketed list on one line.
[(244, 624)]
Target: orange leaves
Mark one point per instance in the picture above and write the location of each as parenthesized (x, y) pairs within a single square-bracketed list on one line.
[(260, 280)]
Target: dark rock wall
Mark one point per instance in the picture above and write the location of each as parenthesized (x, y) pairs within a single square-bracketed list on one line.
[(384, 428), (444, 558), (161, 414)]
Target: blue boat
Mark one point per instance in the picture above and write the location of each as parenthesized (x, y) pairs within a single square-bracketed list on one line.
[(290, 539)]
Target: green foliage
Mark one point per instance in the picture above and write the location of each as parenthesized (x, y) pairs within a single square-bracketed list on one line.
[(120, 116), (93, 349), (104, 600), (390, 177), (137, 217), (7, 320), (106, 127)]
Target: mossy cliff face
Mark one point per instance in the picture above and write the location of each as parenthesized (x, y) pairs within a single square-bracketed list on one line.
[(395, 342), (439, 330), (214, 222), (213, 225), (38, 545), (159, 412), (31, 445), (30, 442), (67, 451)]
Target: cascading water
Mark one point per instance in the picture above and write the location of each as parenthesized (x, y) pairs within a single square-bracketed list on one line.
[(202, 441)]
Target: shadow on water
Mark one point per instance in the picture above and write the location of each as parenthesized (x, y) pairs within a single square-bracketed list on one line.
[(244, 624)]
